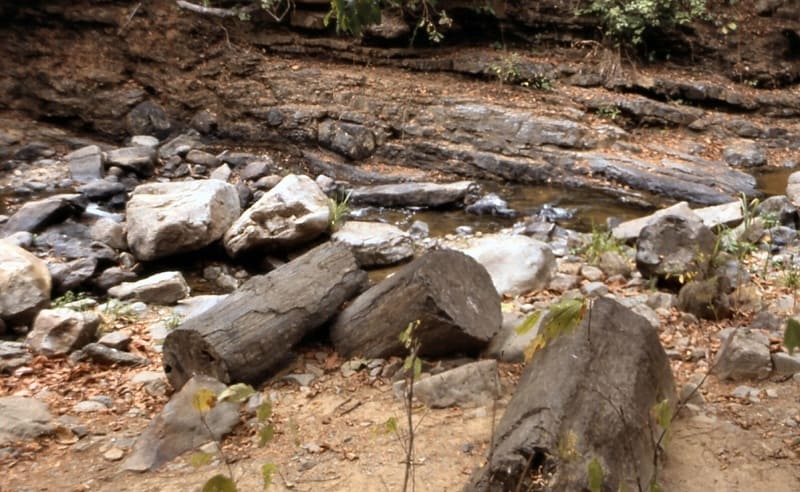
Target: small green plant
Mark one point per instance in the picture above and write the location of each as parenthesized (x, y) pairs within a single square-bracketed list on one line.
[(68, 298), (338, 210), (560, 318), (204, 401), (609, 112), (601, 241), (507, 69), (172, 321)]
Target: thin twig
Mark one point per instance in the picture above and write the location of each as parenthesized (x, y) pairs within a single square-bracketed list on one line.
[(130, 18), (213, 10)]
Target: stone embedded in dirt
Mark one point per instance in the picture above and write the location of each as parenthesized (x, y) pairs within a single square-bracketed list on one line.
[(744, 354), (562, 282), (470, 385), (141, 160), (450, 294), (592, 273), (164, 219), (148, 118), (61, 331), (24, 418), (415, 194), (35, 215), (113, 276), (89, 406), (25, 284), (180, 145), (613, 373), (255, 170), (674, 245), (613, 263), (204, 158), (517, 264), (292, 213), (109, 231), (375, 243), (102, 354), (118, 339), (594, 289), (786, 364), (71, 275), (706, 298), (744, 153), (179, 427), (163, 288), (13, 355), (85, 164), (349, 139)]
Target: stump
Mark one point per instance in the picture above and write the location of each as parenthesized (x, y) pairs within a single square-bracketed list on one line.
[(449, 292), (586, 396), (249, 334)]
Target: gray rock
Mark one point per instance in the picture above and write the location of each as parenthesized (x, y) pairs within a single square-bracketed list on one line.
[(691, 394), (38, 214), (114, 276), (25, 284), (61, 331), (118, 340), (162, 288), (85, 164), (180, 145), (592, 273), (12, 356), (110, 232), (707, 299), (23, 239), (612, 263), (89, 406), (178, 428), (196, 305), (662, 300), (674, 245), (294, 212), (238, 159), (470, 385), (631, 229), (508, 345), (154, 383), (257, 169), (743, 355), (204, 121), (491, 204), (24, 418), (517, 264), (102, 189), (71, 241), (144, 141), (148, 118), (350, 139), (418, 194), (594, 289), (744, 153), (793, 188), (102, 354), (204, 158), (419, 230), (728, 214), (299, 379), (779, 208), (562, 282), (169, 218), (766, 320), (786, 364), (141, 160), (375, 243), (744, 392), (71, 274)]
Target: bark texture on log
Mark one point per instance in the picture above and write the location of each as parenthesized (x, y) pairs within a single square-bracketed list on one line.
[(250, 333), (585, 396), (451, 295)]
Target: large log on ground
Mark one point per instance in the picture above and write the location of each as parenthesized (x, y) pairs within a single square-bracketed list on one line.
[(250, 333), (586, 396), (451, 295)]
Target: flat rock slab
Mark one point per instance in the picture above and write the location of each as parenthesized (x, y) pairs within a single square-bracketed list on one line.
[(179, 428), (24, 418), (38, 214), (470, 385), (162, 288), (375, 243), (416, 194), (448, 292)]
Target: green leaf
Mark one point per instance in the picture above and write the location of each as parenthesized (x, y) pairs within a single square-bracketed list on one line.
[(417, 367), (265, 435), (264, 411), (563, 317), (654, 487), (204, 400), (267, 469), (236, 393), (791, 337), (595, 476), (390, 426), (200, 459), (219, 483), (663, 414), (529, 323)]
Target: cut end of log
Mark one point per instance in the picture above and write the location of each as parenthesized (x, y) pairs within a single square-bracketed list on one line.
[(187, 353)]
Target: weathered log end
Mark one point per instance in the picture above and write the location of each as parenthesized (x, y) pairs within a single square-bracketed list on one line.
[(585, 399), (195, 355), (449, 292)]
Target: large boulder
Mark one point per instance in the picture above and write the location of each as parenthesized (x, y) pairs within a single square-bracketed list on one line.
[(375, 243), (294, 212), (24, 418), (517, 264), (24, 284), (61, 331), (168, 218), (672, 246), (743, 355), (37, 214)]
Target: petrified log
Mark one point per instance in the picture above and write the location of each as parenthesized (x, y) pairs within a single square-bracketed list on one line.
[(451, 295), (250, 333), (586, 396)]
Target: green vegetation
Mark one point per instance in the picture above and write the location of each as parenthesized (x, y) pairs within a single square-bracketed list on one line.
[(560, 318), (601, 241), (68, 298), (338, 210), (204, 401)]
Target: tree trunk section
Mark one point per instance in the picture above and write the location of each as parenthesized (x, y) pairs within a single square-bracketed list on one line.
[(250, 333), (449, 292), (585, 396)]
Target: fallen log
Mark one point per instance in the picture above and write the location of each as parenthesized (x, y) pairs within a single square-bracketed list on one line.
[(585, 400), (249, 334), (449, 292)]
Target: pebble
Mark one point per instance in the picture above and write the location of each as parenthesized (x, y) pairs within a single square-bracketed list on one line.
[(89, 406), (114, 454), (743, 392)]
